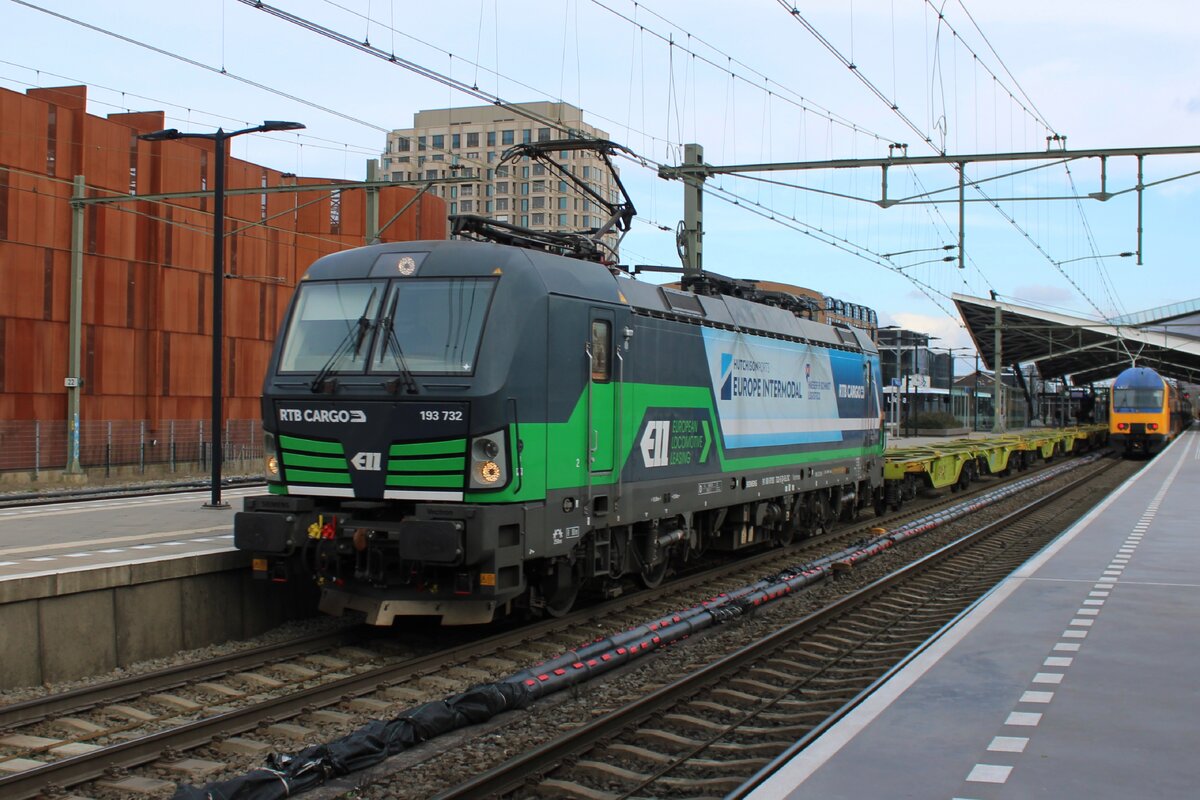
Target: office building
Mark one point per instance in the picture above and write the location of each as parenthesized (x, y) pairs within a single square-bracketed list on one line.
[(469, 143)]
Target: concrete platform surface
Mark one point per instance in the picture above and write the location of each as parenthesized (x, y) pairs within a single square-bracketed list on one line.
[(73, 537), (1075, 678)]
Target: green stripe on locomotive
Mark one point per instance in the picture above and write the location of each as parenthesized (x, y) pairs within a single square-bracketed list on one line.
[(567, 452)]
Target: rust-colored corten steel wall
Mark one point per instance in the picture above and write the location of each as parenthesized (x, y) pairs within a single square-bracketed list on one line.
[(147, 268)]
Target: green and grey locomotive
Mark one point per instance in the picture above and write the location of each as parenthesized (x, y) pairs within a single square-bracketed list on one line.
[(463, 428)]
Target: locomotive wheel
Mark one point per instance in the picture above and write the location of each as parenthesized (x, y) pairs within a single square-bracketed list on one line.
[(820, 515), (561, 603), (652, 576)]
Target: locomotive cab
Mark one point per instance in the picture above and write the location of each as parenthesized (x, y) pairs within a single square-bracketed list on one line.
[(1142, 418)]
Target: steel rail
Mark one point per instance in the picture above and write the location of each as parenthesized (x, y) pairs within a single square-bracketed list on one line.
[(81, 768), (513, 774), (127, 755), (85, 697)]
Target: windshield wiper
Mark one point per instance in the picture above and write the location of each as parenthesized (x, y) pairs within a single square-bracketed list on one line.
[(353, 341), (390, 341)]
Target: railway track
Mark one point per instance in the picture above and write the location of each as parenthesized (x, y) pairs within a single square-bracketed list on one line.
[(298, 691), (151, 719), (709, 731)]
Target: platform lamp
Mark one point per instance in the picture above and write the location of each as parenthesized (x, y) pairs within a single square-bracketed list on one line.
[(218, 138)]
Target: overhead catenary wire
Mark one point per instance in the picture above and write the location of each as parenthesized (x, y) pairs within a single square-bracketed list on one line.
[(346, 40), (780, 90), (489, 97), (1033, 109), (1032, 112), (210, 68), (668, 138), (850, 65), (828, 238), (200, 65), (501, 102), (796, 14)]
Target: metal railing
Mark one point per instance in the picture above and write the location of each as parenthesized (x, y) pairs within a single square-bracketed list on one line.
[(38, 446)]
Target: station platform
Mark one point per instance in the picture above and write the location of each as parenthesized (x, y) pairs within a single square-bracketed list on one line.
[(1074, 678), (91, 586), (56, 538)]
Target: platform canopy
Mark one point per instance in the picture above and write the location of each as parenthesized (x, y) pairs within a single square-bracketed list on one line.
[(1086, 350)]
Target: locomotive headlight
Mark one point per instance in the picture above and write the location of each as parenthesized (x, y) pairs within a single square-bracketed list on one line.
[(270, 456), (486, 449), (487, 471), (489, 460)]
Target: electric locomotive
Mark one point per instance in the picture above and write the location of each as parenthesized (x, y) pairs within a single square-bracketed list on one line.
[(1145, 412), (458, 428)]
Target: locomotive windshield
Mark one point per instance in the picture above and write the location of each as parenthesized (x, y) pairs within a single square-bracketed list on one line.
[(328, 315), (419, 325), (432, 325), (1137, 398)]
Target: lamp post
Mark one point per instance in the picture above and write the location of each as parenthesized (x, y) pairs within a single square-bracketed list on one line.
[(218, 138)]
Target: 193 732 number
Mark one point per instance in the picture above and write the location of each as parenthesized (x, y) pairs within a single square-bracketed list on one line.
[(441, 416)]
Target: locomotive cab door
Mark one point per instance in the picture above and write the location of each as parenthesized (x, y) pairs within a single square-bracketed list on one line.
[(601, 442)]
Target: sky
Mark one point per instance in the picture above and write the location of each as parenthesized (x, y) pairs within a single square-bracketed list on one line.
[(750, 81)]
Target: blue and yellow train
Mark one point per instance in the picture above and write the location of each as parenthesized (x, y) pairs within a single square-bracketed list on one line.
[(1146, 412)]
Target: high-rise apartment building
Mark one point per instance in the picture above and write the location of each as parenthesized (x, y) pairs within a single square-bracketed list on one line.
[(468, 143)]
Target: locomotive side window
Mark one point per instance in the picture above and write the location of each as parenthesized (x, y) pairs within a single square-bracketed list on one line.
[(601, 339)]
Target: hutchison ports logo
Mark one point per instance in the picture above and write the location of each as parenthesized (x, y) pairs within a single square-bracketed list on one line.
[(726, 376)]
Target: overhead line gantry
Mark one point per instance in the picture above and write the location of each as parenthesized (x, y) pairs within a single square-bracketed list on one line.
[(693, 172)]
